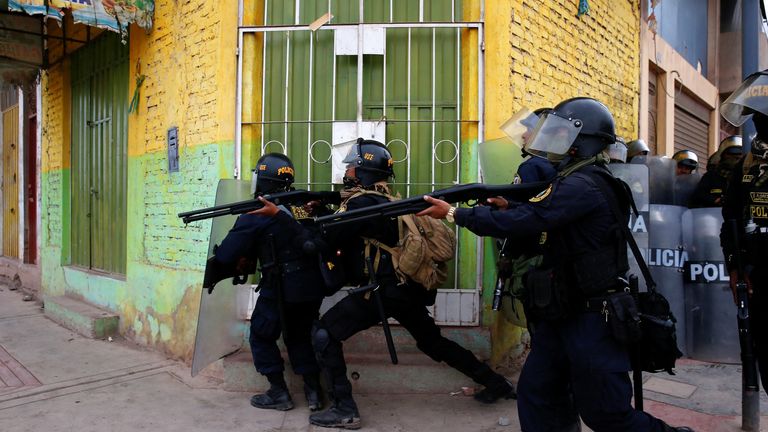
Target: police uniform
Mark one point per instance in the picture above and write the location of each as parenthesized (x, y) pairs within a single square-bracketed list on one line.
[(301, 286), (407, 303), (709, 192), (575, 367), (535, 169), (746, 199)]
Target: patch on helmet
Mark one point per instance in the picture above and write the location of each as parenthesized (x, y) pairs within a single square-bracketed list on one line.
[(285, 170), (542, 195)]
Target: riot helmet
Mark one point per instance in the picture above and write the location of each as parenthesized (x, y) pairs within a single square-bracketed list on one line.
[(273, 173), (579, 127), (371, 161), (687, 161), (749, 98), (637, 147), (728, 154), (618, 151)]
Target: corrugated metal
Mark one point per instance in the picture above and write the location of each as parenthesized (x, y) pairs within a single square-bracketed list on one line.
[(433, 52), (10, 182), (691, 133), (99, 154)]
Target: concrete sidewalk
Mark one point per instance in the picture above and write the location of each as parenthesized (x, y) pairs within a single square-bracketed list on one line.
[(52, 379)]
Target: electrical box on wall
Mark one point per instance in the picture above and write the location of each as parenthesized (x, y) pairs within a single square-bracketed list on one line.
[(173, 149)]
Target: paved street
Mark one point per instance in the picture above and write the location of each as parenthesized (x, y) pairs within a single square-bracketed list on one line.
[(52, 379)]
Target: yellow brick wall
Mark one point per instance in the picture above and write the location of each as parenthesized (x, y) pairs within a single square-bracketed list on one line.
[(190, 63), (539, 53)]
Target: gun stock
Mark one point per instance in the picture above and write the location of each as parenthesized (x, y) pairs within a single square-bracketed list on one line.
[(216, 272)]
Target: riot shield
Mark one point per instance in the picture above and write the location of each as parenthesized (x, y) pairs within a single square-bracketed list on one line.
[(712, 334), (636, 176), (499, 159), (220, 329), (666, 258), (684, 187), (661, 177)]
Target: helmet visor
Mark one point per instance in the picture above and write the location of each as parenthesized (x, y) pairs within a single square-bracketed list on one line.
[(751, 96), (519, 128), (254, 182), (618, 151), (553, 135), (353, 156)]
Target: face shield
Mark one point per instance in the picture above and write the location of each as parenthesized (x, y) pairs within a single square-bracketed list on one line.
[(553, 136), (750, 97), (520, 126), (618, 152), (354, 155), (254, 181)]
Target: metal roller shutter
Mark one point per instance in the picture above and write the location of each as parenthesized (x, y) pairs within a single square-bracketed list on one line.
[(691, 133)]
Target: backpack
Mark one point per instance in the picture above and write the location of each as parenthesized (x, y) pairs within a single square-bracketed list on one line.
[(423, 248)]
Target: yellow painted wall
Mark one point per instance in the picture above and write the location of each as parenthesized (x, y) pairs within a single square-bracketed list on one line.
[(189, 60), (538, 54)]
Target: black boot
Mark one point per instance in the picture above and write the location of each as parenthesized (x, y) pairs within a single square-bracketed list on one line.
[(277, 397), (312, 392), (340, 415), (496, 386), (668, 428), (343, 413)]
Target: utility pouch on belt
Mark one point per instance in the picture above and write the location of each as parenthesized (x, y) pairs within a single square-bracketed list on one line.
[(546, 298), (623, 317)]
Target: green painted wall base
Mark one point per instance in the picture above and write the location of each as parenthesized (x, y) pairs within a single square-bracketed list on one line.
[(366, 354), (81, 317), (369, 374)]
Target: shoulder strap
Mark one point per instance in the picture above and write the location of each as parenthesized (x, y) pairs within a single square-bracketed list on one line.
[(610, 196)]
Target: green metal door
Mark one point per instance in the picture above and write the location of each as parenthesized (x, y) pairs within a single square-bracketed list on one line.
[(99, 82), (397, 71)]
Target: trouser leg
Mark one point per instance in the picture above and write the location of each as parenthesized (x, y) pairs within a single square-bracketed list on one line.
[(600, 378), (264, 332), (545, 402)]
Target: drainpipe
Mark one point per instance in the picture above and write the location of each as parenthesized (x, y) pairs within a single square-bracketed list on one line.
[(750, 32), (238, 96)]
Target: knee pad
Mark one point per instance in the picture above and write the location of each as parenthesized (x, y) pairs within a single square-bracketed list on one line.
[(320, 338)]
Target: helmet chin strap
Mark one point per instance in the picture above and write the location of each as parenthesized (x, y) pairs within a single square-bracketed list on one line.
[(351, 182)]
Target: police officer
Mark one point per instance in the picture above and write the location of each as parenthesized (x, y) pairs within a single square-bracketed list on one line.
[(290, 278), (687, 162), (637, 147), (369, 166), (575, 367), (709, 192), (746, 201)]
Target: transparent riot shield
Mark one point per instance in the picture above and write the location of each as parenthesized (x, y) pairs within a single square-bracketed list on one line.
[(661, 177), (220, 329), (666, 257), (636, 176), (684, 187), (712, 334), (499, 159)]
